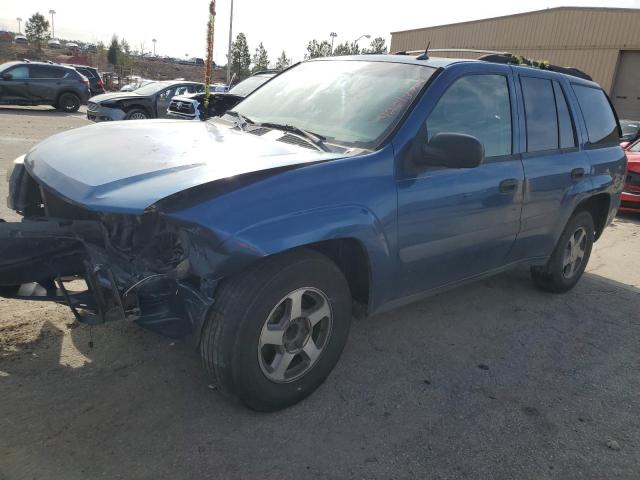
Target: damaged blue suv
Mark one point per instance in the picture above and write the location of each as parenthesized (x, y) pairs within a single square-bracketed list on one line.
[(353, 184)]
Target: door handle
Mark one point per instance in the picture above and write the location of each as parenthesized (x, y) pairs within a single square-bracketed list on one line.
[(509, 185), (577, 173)]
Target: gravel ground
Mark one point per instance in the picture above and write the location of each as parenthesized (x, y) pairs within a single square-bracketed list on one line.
[(496, 380)]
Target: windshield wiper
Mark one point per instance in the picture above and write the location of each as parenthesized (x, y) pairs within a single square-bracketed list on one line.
[(243, 121), (316, 139)]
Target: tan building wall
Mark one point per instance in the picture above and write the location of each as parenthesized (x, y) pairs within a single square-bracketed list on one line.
[(587, 38)]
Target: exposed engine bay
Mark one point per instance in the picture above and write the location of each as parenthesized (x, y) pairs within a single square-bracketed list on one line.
[(135, 268)]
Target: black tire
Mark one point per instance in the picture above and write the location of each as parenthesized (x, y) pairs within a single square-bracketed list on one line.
[(557, 277), (137, 114), (230, 343), (68, 102)]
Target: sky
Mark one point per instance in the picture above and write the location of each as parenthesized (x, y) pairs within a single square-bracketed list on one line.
[(180, 26)]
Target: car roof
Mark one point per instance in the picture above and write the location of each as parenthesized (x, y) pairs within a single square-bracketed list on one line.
[(46, 64), (442, 62)]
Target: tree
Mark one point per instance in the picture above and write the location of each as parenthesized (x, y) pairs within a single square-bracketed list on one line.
[(378, 46), (347, 48), (283, 62), (317, 49), (37, 29), (114, 51), (240, 57), (260, 59)]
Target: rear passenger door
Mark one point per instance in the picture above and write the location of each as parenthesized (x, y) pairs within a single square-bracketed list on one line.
[(556, 170), (45, 82)]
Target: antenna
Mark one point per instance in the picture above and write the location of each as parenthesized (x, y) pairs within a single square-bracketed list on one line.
[(425, 55)]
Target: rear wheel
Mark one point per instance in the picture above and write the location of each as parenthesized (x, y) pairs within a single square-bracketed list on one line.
[(570, 257), (278, 329), (137, 114), (68, 102)]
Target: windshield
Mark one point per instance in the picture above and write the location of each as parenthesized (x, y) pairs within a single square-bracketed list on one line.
[(151, 88), (349, 102), (247, 86)]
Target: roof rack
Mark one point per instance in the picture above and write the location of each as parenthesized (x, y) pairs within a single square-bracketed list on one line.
[(504, 58)]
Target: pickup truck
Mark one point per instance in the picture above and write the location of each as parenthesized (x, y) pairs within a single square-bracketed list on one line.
[(343, 186)]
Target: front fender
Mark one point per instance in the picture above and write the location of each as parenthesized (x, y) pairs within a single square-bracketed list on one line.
[(284, 233)]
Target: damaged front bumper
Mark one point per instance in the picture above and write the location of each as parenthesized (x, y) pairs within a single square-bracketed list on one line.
[(130, 269)]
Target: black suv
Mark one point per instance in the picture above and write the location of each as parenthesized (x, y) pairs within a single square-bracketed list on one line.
[(96, 84), (36, 83)]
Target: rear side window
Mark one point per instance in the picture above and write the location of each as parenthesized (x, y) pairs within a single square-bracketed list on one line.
[(477, 105), (540, 114), (43, 71), (20, 72), (602, 126)]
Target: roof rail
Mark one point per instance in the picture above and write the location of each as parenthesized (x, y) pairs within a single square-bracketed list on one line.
[(26, 60), (504, 58)]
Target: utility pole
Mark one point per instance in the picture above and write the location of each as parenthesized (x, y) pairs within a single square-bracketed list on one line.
[(19, 20), (53, 30), (230, 42), (333, 36), (154, 46)]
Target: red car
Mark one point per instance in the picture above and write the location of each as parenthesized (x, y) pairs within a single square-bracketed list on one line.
[(631, 193)]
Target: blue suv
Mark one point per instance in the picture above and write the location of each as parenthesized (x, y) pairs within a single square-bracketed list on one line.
[(353, 184)]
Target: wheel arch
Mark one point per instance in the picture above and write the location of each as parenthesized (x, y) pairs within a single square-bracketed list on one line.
[(598, 206), (62, 92)]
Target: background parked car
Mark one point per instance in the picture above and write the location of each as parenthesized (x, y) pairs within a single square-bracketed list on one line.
[(150, 101), (631, 193), (96, 85), (191, 107), (37, 83), (20, 40), (53, 43), (630, 130)]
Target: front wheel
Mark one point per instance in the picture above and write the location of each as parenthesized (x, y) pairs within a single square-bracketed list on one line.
[(278, 329), (137, 114), (570, 257)]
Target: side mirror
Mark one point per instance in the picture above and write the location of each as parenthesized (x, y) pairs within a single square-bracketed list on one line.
[(451, 150), (7, 76)]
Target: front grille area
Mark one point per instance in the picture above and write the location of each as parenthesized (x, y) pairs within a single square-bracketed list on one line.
[(633, 179), (181, 107), (92, 106), (57, 207)]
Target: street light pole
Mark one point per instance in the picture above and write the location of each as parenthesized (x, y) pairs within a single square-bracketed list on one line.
[(230, 42), (19, 20), (333, 36), (154, 46), (53, 30), (367, 36)]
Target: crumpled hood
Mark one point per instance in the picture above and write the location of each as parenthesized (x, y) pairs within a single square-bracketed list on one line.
[(124, 167)]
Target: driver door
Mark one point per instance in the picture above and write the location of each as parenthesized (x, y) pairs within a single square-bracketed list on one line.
[(163, 100), (16, 88), (457, 223)]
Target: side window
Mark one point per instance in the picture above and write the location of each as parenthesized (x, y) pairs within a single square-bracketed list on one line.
[(540, 114), (477, 105), (167, 94), (181, 90), (602, 126), (43, 71), (19, 73), (565, 124)]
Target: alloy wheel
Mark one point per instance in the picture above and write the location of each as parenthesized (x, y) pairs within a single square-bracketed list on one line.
[(574, 253), (295, 335)]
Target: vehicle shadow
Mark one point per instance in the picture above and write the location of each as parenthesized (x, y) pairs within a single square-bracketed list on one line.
[(40, 111), (495, 379)]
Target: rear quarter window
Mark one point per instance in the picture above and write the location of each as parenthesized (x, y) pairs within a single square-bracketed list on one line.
[(599, 118)]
